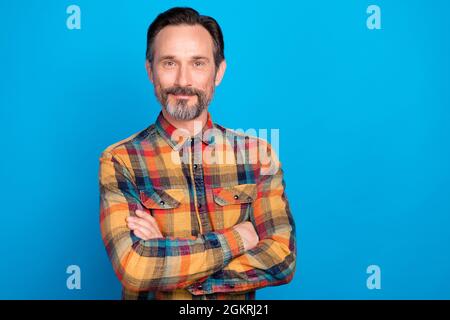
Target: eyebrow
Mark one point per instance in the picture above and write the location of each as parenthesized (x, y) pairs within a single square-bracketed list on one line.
[(166, 57), (170, 57), (200, 57)]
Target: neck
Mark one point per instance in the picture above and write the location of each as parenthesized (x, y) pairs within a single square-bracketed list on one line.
[(193, 126)]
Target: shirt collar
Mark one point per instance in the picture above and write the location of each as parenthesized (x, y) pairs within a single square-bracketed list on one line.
[(177, 139)]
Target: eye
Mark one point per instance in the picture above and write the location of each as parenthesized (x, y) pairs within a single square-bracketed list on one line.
[(199, 63), (169, 64)]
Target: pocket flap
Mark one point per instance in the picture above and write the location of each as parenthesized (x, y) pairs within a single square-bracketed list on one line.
[(242, 193), (162, 198)]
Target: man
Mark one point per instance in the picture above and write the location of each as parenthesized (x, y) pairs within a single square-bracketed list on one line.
[(189, 209)]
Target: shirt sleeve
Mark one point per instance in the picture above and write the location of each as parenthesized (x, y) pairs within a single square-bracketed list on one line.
[(161, 264), (272, 262)]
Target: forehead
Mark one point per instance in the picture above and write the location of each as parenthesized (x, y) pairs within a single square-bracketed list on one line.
[(183, 41)]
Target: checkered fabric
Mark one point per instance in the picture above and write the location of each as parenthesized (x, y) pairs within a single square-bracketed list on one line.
[(197, 188)]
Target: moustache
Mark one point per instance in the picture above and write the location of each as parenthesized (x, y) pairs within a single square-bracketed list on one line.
[(185, 91)]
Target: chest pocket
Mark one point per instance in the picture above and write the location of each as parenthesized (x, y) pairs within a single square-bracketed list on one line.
[(170, 208), (233, 205)]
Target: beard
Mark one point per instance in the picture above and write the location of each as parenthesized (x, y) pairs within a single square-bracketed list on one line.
[(180, 110)]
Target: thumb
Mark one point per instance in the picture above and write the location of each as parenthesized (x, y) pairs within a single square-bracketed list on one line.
[(140, 213)]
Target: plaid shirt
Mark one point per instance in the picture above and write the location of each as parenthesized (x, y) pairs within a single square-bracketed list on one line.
[(197, 188)]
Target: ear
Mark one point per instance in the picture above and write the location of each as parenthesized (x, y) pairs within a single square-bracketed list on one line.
[(148, 67), (220, 72)]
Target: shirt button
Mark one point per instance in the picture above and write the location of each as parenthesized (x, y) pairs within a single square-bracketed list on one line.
[(215, 243)]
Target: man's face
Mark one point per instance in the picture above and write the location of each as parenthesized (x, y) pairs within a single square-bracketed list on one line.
[(183, 71)]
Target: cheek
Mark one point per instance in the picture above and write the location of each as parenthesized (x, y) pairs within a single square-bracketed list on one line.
[(205, 82), (164, 79)]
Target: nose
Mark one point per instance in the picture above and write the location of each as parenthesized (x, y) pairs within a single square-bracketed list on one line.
[(183, 77)]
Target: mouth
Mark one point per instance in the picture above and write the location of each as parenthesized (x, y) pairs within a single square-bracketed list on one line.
[(181, 96)]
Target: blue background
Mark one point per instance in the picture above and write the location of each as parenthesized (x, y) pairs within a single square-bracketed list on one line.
[(364, 128)]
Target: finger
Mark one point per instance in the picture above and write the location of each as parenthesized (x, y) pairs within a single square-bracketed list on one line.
[(143, 233), (141, 213), (144, 215), (137, 220), (146, 234), (152, 226), (138, 234), (149, 218), (143, 223), (146, 227), (135, 226)]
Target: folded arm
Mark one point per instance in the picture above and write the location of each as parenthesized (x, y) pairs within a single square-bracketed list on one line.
[(273, 260), (156, 264)]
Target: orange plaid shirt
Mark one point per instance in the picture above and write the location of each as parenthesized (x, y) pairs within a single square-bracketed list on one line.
[(197, 188)]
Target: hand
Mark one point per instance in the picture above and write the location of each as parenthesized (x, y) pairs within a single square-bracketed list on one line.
[(144, 226), (248, 234)]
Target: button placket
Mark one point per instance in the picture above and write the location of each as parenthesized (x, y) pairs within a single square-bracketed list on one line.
[(198, 184)]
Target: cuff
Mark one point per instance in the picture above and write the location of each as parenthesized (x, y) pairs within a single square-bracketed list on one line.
[(232, 244)]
